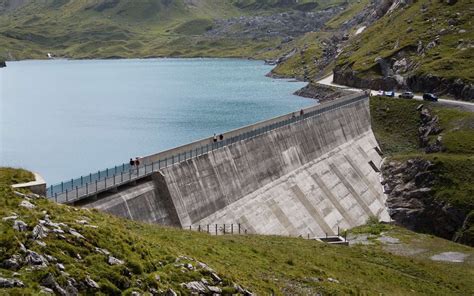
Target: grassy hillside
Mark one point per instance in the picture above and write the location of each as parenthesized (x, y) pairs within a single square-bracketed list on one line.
[(125, 28), (159, 258), (444, 32)]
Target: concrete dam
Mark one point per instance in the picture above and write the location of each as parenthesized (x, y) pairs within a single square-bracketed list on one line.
[(308, 173)]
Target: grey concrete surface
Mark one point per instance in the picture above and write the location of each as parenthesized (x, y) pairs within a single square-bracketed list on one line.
[(37, 186)]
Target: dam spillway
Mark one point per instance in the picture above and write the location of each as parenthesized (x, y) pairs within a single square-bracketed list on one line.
[(311, 176)]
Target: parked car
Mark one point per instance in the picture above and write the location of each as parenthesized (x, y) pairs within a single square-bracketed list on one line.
[(406, 95), (380, 93), (389, 93), (430, 97)]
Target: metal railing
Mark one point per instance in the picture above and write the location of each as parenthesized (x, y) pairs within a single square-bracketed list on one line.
[(84, 186)]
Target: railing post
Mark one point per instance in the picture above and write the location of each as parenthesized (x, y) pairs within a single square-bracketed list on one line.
[(115, 170), (114, 179), (82, 181), (66, 195), (224, 228), (98, 173), (96, 185), (72, 184), (106, 172), (56, 197), (51, 190), (216, 229), (90, 177), (105, 182), (199, 228), (87, 188), (121, 177), (239, 228), (207, 228), (77, 192), (232, 228)]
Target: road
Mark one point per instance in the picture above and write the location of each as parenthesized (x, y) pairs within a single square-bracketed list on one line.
[(465, 105)]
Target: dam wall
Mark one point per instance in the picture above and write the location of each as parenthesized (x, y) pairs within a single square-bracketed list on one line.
[(308, 177)]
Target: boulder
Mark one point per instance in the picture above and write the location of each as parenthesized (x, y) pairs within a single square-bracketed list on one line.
[(91, 283), (114, 261), (20, 225), (39, 232), (27, 204), (10, 283), (35, 259), (196, 286), (13, 263)]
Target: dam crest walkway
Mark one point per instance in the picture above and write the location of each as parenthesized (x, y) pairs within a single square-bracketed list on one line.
[(110, 179)]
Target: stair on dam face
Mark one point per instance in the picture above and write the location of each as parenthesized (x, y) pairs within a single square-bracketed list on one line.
[(309, 177)]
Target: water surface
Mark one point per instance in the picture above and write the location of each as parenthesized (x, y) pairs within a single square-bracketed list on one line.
[(65, 118)]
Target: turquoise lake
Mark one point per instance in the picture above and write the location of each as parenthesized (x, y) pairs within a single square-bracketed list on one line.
[(64, 119)]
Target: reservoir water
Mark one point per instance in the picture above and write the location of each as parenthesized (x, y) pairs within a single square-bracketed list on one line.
[(66, 118)]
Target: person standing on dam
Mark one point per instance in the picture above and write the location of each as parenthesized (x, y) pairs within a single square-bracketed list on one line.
[(137, 162)]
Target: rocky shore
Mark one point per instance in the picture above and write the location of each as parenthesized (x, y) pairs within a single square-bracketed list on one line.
[(322, 93), (2, 64)]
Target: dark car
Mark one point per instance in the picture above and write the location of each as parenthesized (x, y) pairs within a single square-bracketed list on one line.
[(430, 97), (389, 93), (406, 95)]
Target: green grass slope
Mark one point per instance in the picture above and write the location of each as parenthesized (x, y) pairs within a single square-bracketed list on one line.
[(158, 258), (398, 34), (126, 28)]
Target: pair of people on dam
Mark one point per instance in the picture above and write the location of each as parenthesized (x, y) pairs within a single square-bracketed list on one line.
[(134, 163), (221, 137)]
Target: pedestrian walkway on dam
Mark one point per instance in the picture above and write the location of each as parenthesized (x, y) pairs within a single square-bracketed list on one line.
[(110, 179)]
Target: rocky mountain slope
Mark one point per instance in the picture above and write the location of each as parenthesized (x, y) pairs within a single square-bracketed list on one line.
[(425, 46), (54, 249), (428, 172)]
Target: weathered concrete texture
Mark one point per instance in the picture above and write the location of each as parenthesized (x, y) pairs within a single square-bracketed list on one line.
[(309, 177), (339, 189), (147, 202)]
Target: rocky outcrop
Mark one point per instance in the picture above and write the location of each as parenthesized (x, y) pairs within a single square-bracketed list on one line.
[(429, 127), (322, 93), (388, 80), (2, 64), (459, 89), (411, 201), (349, 77)]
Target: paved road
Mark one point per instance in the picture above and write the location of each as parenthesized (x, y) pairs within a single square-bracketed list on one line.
[(465, 105)]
